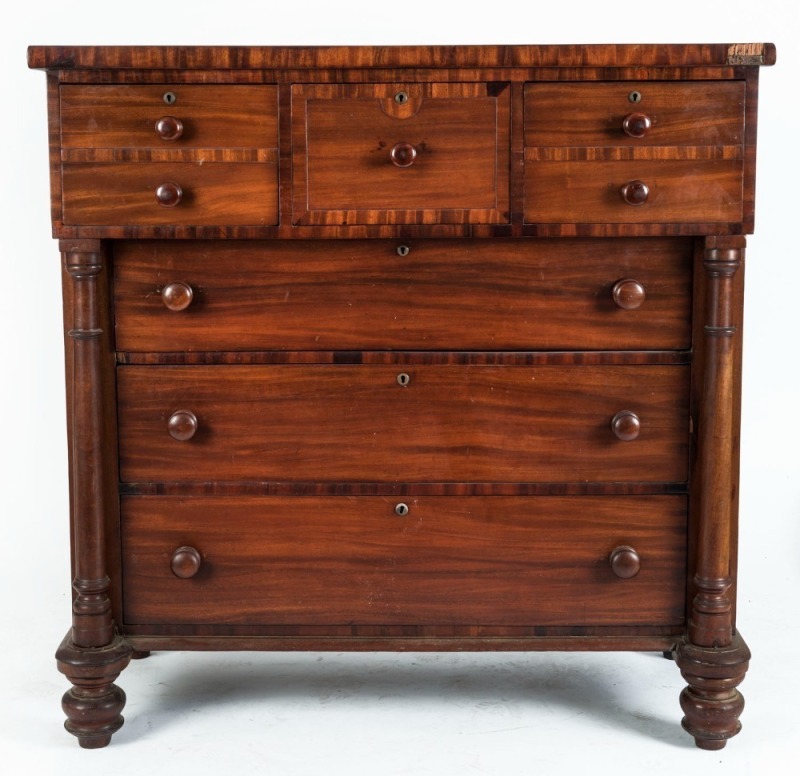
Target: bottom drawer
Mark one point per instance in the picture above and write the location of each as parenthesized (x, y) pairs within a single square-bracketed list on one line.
[(443, 560)]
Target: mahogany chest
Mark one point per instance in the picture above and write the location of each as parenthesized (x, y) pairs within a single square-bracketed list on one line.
[(413, 348)]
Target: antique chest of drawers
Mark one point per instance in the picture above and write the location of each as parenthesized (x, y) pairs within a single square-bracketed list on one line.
[(403, 349)]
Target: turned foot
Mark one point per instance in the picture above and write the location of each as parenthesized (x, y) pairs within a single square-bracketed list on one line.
[(94, 703), (711, 702)]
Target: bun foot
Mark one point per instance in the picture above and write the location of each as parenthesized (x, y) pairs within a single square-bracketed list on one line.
[(711, 702), (94, 703)]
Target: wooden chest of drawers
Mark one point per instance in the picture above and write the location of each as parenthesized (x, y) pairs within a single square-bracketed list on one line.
[(406, 348)]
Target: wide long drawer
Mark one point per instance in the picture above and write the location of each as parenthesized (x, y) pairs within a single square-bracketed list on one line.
[(425, 294), (445, 560), (377, 423)]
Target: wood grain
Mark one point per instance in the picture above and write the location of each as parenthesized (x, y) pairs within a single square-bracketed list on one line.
[(343, 136), (685, 55), (490, 561), (709, 113), (589, 192), (355, 423), (359, 295), (124, 116), (214, 193)]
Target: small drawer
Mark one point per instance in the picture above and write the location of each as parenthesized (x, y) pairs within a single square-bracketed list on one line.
[(390, 295), (383, 423), (170, 193), (169, 116), (632, 191), (400, 153), (637, 113), (513, 561)]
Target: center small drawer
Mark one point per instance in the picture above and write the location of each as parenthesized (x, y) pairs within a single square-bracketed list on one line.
[(421, 294), (417, 153), (384, 423)]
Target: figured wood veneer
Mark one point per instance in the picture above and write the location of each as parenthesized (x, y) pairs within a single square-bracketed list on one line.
[(447, 561), (357, 295), (403, 348), (356, 423)]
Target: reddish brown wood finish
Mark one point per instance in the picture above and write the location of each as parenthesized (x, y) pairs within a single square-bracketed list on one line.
[(679, 191), (442, 294), (442, 432), (355, 423), (495, 561), (91, 620), (189, 58), (126, 193), (112, 116), (711, 621), (360, 157), (594, 114)]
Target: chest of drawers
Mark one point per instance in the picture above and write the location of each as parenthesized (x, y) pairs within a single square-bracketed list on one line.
[(403, 349)]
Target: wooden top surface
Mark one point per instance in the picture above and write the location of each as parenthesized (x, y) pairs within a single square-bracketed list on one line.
[(299, 57)]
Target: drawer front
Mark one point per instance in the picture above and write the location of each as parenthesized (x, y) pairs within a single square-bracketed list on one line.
[(592, 192), (227, 116), (365, 423), (478, 295), (448, 560), (414, 153), (124, 194), (594, 114)]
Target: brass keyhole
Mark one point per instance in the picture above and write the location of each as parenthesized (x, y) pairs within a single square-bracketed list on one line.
[(403, 250), (635, 97), (401, 509), (170, 98), (403, 379), (401, 98)]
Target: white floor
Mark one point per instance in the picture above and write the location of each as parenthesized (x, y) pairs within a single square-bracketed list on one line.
[(333, 713)]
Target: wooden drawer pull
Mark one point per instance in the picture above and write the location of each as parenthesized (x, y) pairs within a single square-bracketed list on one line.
[(403, 154), (626, 425), (624, 561), (177, 296), (636, 124), (628, 294), (169, 128), (185, 562), (182, 425), (169, 194), (635, 193)]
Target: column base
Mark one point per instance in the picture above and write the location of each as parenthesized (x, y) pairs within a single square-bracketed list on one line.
[(94, 703), (711, 702)]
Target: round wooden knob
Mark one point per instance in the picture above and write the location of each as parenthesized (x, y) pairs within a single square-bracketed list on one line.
[(177, 296), (635, 193), (403, 154), (185, 562), (626, 425), (624, 562), (169, 128), (636, 124), (628, 294), (169, 194), (182, 425)]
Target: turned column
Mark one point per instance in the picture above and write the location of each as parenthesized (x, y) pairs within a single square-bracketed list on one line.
[(712, 656), (92, 655)]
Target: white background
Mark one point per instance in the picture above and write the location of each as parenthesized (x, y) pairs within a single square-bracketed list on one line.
[(392, 714)]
